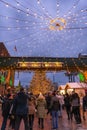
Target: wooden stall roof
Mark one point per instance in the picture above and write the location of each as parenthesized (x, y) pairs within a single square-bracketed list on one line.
[(3, 50)]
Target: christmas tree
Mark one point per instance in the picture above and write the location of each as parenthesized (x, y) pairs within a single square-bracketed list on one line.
[(40, 83)]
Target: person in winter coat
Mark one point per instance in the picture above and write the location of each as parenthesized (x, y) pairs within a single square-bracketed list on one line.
[(67, 103), (55, 107), (85, 105), (75, 106), (6, 105), (31, 111), (41, 110), (11, 115), (48, 101), (61, 101), (20, 106)]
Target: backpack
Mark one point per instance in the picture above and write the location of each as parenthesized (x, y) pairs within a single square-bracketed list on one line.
[(56, 105)]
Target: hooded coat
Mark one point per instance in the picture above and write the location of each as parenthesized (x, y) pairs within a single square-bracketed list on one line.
[(41, 107)]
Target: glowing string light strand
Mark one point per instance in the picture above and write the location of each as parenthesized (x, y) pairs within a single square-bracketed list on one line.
[(68, 28), (44, 9), (21, 10), (23, 36), (73, 7), (74, 17), (51, 31), (21, 20), (58, 5), (37, 9), (32, 11), (21, 27)]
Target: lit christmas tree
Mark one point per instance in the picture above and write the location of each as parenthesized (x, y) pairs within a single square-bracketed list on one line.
[(40, 83)]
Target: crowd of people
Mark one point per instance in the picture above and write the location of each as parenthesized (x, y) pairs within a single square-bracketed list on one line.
[(25, 106)]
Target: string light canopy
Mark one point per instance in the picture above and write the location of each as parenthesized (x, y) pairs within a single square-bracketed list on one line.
[(44, 27)]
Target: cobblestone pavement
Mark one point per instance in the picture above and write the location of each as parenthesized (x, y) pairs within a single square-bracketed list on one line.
[(64, 124)]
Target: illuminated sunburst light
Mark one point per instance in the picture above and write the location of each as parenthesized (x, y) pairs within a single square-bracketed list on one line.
[(57, 24)]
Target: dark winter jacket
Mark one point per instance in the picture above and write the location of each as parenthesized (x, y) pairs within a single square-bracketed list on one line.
[(20, 104), (6, 105), (67, 101), (85, 103), (55, 105)]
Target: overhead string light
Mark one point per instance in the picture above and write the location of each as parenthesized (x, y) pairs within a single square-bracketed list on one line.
[(24, 36), (31, 11), (60, 23), (69, 12), (78, 15), (30, 26), (78, 19), (7, 5), (77, 28), (44, 9), (74, 18), (74, 27), (52, 27), (21, 20), (33, 14), (39, 11), (58, 10), (34, 26)]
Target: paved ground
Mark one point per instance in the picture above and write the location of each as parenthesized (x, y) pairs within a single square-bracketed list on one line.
[(64, 124)]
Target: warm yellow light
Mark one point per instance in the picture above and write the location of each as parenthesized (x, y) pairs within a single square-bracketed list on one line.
[(23, 64), (57, 24), (59, 64), (53, 64), (40, 64), (47, 64), (35, 64)]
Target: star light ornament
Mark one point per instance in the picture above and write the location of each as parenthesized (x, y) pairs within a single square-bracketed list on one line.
[(57, 24)]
